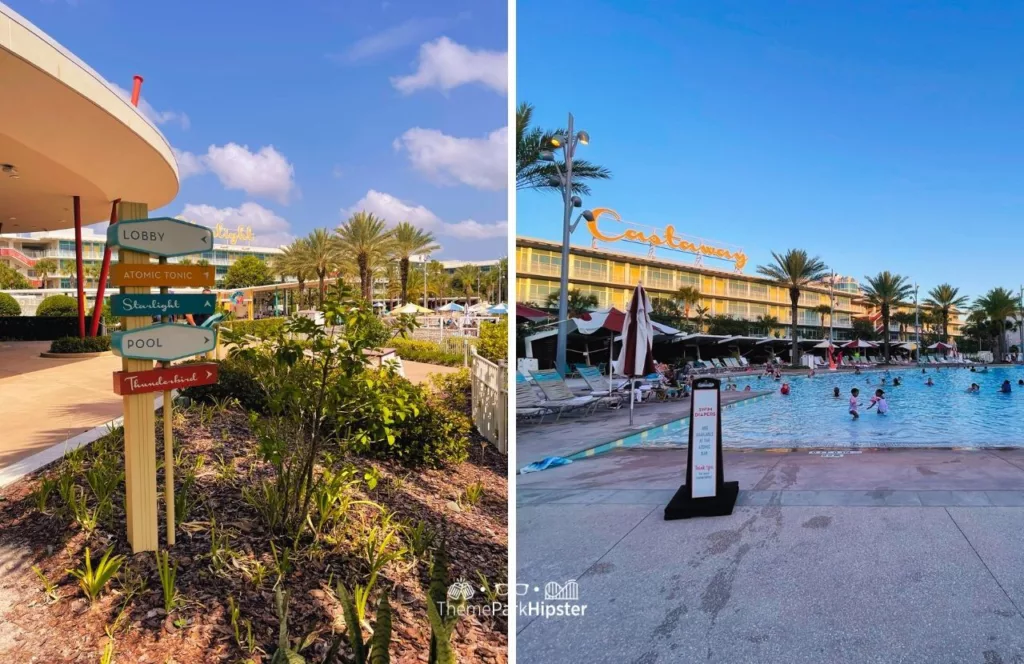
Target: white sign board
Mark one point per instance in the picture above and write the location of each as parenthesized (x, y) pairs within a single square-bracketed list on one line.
[(164, 342), (161, 236), (704, 424)]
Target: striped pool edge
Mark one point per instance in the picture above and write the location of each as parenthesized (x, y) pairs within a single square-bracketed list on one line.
[(636, 439)]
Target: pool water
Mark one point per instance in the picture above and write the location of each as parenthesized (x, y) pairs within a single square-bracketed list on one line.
[(942, 415)]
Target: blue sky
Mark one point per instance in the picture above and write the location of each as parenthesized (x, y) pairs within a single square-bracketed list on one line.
[(877, 135), (290, 115)]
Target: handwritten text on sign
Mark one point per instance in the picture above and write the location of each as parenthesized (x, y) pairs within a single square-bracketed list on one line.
[(160, 380), (162, 304), (705, 443)]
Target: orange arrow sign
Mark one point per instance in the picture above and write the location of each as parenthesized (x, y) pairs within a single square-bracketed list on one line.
[(170, 275)]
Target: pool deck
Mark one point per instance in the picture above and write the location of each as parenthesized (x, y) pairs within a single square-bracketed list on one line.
[(896, 555), (574, 432)]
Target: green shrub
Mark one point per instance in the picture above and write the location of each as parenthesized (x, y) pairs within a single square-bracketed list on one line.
[(494, 341), (420, 350), (9, 306), (80, 345), (455, 390), (432, 435), (58, 305), (257, 328), (235, 379)]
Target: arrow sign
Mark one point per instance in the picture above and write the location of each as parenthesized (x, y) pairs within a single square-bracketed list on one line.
[(181, 276), (170, 378), (162, 236), (133, 304), (165, 342)]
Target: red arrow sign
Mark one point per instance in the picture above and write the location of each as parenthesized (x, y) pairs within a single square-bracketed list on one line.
[(159, 380)]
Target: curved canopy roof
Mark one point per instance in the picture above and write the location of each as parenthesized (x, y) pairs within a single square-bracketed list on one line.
[(66, 132)]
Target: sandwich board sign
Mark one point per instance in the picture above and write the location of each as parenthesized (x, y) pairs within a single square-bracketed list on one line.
[(164, 342), (705, 493), (161, 236), (162, 304)]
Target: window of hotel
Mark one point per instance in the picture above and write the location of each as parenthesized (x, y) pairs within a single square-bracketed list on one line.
[(688, 279), (738, 288), (659, 278), (545, 263), (757, 310), (843, 303), (540, 290), (737, 309), (591, 269), (600, 293), (842, 320), (759, 291)]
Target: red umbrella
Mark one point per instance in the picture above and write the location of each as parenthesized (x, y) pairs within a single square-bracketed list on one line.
[(637, 357), (530, 314)]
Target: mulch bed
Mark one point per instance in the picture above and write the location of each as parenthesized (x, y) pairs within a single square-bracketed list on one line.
[(72, 630)]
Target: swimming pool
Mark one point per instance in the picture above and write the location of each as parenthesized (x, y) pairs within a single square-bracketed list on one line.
[(942, 415)]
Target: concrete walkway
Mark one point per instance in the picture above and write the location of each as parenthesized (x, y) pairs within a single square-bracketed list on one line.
[(882, 556), (46, 401)]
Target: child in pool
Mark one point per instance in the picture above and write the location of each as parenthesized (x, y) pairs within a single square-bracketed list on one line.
[(929, 382), (879, 400), (896, 381), (974, 388), (835, 392), (785, 388), (853, 403), (1005, 387)]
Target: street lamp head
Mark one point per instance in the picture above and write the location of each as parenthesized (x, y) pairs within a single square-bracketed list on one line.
[(588, 215), (555, 181), (546, 155), (583, 137), (555, 141), (577, 201)]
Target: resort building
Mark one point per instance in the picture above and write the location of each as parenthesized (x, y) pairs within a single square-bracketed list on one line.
[(23, 252)]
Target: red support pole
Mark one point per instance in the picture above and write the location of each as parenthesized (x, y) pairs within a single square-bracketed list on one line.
[(136, 89), (101, 287), (78, 266)]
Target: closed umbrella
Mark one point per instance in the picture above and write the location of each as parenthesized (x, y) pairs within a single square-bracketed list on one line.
[(636, 357)]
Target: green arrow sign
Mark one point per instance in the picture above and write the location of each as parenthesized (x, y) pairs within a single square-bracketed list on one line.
[(165, 342), (162, 236), (133, 304)]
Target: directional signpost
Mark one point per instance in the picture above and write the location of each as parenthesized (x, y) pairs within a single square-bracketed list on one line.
[(140, 342)]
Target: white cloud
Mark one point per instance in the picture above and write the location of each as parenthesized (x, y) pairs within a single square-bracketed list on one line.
[(391, 39), (444, 65), (269, 229), (155, 116), (266, 173), (478, 162), (395, 210)]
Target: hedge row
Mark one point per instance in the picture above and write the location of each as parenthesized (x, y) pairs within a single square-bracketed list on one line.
[(420, 350), (80, 345), (258, 328)]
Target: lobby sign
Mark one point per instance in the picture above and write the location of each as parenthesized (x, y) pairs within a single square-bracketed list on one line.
[(181, 276), (162, 304), (161, 380), (665, 238), (161, 236), (165, 342), (703, 438), (705, 493)]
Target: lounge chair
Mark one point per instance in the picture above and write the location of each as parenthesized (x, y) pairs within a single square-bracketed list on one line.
[(528, 403), (731, 361), (717, 364), (599, 384), (744, 363), (557, 393)]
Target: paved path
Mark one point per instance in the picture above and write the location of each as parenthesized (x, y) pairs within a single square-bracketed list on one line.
[(883, 556), (46, 401), (419, 372)]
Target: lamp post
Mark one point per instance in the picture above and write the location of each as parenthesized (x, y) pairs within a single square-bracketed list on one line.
[(426, 259), (917, 329), (1020, 326), (831, 306), (568, 144)]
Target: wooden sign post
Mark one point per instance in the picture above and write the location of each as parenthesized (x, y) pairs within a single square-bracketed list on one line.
[(706, 493), (139, 343)]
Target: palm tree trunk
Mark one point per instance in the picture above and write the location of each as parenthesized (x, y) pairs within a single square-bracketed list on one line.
[(320, 299), (794, 298), (403, 274), (364, 277), (885, 331)]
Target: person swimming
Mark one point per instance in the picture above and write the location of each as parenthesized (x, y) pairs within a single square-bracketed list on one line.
[(784, 389), (974, 388), (929, 382), (853, 403), (879, 400), (856, 371), (883, 381), (1005, 387), (835, 392), (747, 388), (1020, 382), (896, 381)]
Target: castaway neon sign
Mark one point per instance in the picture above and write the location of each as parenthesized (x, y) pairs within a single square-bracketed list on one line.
[(667, 238)]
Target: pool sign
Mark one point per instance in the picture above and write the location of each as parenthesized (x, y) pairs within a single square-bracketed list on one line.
[(165, 342), (163, 304), (168, 274), (162, 236), (706, 493), (161, 380)]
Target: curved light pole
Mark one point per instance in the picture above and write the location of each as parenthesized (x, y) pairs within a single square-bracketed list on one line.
[(568, 146), (917, 328)]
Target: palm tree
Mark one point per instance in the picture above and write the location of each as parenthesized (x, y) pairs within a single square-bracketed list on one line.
[(687, 296), (701, 312), (822, 310), (793, 270), (66, 269), (767, 323), (945, 300), (203, 262), (92, 271), (439, 282), (532, 172), (904, 319), (999, 305), (578, 303), (367, 239), (467, 276), (322, 254), (46, 267), (410, 241), (885, 290), (294, 261)]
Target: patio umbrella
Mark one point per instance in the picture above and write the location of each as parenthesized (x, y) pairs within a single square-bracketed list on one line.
[(636, 357), (940, 346), (499, 309), (857, 344), (451, 306), (530, 314), (411, 308)]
